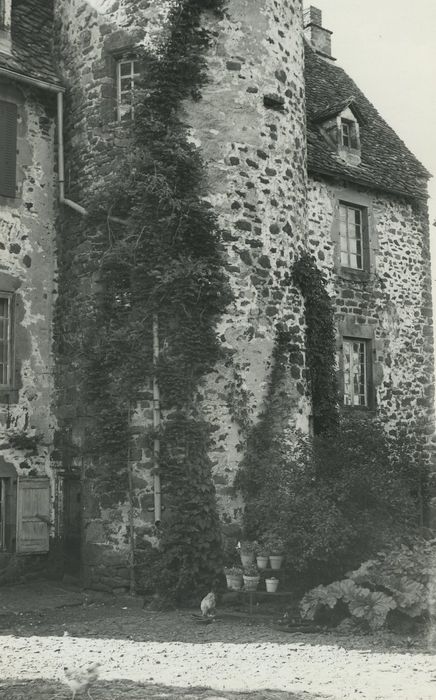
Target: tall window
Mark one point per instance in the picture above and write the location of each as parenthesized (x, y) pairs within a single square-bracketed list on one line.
[(353, 232), (355, 357), (128, 74), (5, 339), (2, 14)]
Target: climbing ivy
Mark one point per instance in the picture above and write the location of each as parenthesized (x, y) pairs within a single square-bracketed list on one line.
[(320, 344), (152, 247), (266, 432)]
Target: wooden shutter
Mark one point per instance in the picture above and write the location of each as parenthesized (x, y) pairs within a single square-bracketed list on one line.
[(8, 148), (33, 515)]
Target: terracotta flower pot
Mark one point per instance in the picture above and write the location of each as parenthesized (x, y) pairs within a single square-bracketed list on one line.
[(251, 582), (271, 584), (262, 561), (276, 560), (234, 582), (247, 558)]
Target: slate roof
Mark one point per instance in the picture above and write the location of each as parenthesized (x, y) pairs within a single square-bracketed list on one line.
[(387, 164), (32, 35)]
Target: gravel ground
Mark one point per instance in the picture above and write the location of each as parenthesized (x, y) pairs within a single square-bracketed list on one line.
[(159, 655)]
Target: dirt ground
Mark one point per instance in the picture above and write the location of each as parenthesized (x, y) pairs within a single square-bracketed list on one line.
[(171, 655)]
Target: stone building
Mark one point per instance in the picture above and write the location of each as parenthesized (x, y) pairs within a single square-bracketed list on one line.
[(28, 206), (297, 160)]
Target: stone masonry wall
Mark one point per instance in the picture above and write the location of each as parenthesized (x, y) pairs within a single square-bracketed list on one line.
[(257, 183), (27, 269), (394, 301), (255, 158)]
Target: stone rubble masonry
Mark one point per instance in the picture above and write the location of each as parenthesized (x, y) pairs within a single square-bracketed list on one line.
[(394, 301), (256, 181), (27, 267)]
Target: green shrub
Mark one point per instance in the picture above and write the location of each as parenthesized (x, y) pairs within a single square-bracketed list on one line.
[(399, 580), (335, 500)]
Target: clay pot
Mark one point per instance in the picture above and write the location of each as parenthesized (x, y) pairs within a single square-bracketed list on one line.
[(276, 561), (271, 584)]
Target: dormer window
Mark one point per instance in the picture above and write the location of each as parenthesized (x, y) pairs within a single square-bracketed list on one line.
[(340, 127), (348, 134)]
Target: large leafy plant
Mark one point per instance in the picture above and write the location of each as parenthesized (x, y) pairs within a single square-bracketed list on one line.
[(401, 579)]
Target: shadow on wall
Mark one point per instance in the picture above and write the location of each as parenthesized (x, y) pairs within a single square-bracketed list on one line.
[(128, 690)]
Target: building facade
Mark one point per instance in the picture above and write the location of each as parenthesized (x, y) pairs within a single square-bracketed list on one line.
[(297, 161)]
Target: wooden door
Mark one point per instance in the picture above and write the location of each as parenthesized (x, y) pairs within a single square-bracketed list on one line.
[(33, 515)]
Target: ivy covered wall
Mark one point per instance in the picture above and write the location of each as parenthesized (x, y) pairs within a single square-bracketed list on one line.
[(200, 215), (236, 170)]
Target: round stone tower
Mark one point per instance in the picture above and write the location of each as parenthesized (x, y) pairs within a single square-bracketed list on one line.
[(249, 126)]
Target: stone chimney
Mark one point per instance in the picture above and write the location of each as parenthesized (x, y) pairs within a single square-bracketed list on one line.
[(319, 38), (5, 26)]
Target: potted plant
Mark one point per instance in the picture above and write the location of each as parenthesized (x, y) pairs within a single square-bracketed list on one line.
[(271, 584), (246, 552), (251, 577), (233, 577), (262, 557), (275, 547)]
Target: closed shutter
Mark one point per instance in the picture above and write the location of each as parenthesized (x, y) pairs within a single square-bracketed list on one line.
[(33, 515), (8, 148)]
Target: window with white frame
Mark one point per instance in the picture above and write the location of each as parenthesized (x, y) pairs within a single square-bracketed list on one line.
[(349, 134), (356, 375), (128, 74), (5, 339), (353, 230)]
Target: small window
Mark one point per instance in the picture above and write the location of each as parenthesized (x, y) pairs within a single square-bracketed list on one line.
[(356, 372), (8, 148), (349, 135), (128, 74), (353, 231), (5, 340)]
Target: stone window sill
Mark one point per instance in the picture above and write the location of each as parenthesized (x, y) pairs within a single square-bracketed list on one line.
[(348, 273)]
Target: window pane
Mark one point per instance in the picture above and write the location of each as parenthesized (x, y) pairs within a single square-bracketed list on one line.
[(126, 84), (125, 67), (351, 234), (355, 378)]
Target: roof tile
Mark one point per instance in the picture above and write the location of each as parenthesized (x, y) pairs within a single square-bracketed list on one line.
[(32, 35), (387, 164)]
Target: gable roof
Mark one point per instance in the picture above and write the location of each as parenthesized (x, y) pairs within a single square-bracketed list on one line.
[(386, 163), (334, 109), (32, 34)]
